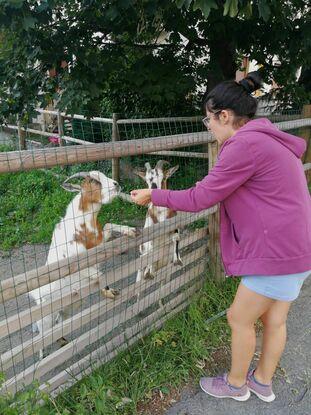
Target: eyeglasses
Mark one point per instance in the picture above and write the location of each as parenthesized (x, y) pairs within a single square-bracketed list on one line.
[(206, 120)]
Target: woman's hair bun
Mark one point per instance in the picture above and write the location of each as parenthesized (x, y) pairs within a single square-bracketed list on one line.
[(252, 82)]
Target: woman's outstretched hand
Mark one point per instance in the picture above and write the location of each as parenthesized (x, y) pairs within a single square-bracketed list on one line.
[(141, 197)]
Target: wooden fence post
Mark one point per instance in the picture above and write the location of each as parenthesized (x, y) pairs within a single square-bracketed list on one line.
[(115, 162), (60, 124), (21, 136), (306, 134), (215, 261)]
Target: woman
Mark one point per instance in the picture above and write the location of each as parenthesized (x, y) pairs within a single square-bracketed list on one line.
[(265, 229)]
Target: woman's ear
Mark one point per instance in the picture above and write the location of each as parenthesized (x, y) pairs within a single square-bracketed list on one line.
[(224, 116)]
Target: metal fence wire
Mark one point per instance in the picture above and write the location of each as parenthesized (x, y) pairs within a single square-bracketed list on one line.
[(84, 273)]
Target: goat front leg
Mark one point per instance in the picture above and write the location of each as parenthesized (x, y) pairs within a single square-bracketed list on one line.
[(147, 271), (59, 318), (139, 275), (109, 228), (43, 325), (176, 255)]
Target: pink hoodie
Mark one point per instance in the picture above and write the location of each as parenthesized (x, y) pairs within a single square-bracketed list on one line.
[(265, 205)]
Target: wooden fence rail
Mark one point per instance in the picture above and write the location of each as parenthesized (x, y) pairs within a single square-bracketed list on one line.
[(197, 259), (131, 335), (27, 281), (65, 328), (14, 161)]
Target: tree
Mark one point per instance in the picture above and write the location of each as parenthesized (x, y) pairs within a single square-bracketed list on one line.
[(117, 63), (111, 50)]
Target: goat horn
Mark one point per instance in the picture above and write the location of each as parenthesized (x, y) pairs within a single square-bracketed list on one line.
[(160, 164), (80, 174), (147, 165)]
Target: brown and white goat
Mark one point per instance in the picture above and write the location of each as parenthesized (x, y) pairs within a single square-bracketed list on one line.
[(78, 231), (157, 179)]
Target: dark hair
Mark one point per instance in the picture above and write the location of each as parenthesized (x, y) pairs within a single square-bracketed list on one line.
[(235, 96)]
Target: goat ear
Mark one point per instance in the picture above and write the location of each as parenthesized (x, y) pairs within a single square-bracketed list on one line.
[(171, 171), (94, 175), (140, 173), (69, 187)]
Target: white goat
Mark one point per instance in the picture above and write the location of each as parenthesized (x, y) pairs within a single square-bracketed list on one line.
[(78, 231), (157, 179)]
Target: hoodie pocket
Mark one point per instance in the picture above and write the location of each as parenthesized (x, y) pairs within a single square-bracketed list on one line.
[(235, 237)]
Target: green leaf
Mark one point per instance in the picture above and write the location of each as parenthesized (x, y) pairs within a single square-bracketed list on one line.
[(264, 10), (183, 3), (165, 390), (43, 6), (29, 22), (226, 7), (231, 8), (247, 10), (16, 4), (205, 6)]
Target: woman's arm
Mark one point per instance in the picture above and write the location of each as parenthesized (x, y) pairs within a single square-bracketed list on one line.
[(234, 167)]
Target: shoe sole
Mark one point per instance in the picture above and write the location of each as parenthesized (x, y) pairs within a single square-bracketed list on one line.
[(237, 398), (262, 397)]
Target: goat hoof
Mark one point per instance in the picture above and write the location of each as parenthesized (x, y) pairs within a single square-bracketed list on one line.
[(178, 262), (137, 232), (35, 328), (133, 232), (149, 276), (62, 342), (110, 293)]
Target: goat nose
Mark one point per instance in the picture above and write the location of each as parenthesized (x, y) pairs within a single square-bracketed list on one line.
[(117, 186), (154, 186)]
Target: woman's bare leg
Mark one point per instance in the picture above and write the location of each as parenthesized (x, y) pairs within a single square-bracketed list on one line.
[(246, 308), (274, 340)]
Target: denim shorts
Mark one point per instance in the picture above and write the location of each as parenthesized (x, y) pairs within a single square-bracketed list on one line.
[(279, 287)]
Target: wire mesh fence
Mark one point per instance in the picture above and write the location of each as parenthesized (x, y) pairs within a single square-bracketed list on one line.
[(84, 273), (64, 281)]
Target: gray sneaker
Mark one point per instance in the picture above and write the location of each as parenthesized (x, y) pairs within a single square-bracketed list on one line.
[(219, 387), (264, 392)]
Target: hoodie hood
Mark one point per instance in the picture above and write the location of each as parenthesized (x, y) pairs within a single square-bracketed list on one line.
[(295, 144)]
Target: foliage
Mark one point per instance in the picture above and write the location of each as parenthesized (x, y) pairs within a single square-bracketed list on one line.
[(231, 8), (143, 57), (30, 401)]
